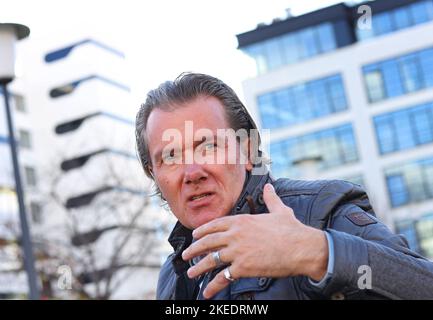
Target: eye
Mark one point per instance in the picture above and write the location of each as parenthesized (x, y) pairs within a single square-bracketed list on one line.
[(169, 156), (210, 146)]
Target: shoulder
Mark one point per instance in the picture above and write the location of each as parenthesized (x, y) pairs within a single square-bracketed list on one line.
[(322, 198), (285, 186)]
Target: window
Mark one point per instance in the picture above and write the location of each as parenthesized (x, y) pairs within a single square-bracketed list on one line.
[(337, 94), (282, 100), (292, 47), (419, 233), (268, 111), (309, 43), (330, 148), (385, 134), (382, 23), (397, 190), (274, 53), (391, 78), (374, 83), (427, 171), (347, 142), (257, 52), (424, 228), (398, 76), (336, 146), (318, 99), (404, 135), (326, 37), (302, 102), (410, 73), (20, 104), (30, 175), (410, 182), (426, 66), (420, 12), (279, 159), (24, 139), (396, 19), (407, 229), (423, 124), (402, 18), (405, 128), (36, 212)]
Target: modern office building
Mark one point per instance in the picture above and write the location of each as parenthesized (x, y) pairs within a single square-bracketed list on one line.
[(351, 98), (81, 171)]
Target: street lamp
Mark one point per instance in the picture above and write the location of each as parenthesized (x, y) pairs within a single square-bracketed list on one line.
[(9, 34)]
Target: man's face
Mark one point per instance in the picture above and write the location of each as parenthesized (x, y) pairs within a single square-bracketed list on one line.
[(196, 191)]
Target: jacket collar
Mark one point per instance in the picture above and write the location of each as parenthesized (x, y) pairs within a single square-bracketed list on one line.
[(181, 237)]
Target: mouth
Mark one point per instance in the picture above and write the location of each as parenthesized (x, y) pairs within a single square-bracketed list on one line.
[(200, 196), (200, 200)]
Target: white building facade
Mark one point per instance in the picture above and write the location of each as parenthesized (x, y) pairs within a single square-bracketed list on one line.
[(13, 280), (77, 152)]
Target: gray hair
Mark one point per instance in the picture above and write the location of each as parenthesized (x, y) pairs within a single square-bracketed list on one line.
[(185, 88)]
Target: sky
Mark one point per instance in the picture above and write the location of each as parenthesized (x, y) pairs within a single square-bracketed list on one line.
[(161, 38)]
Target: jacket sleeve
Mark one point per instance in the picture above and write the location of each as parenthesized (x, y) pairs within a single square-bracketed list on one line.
[(369, 260)]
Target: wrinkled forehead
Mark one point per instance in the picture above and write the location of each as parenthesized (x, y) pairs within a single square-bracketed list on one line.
[(202, 115)]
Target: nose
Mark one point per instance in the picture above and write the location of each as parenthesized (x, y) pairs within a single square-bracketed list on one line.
[(194, 173)]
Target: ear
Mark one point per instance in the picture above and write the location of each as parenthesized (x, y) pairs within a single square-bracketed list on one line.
[(149, 168), (248, 151)]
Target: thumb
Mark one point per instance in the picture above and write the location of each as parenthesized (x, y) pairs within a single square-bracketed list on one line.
[(272, 200)]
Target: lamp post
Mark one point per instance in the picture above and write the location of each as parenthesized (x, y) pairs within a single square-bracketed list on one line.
[(9, 34)]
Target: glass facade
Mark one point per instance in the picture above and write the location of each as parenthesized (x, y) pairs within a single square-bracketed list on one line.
[(292, 47), (398, 76), (424, 228), (410, 182), (419, 234), (336, 146), (302, 102), (407, 229), (397, 19), (405, 128)]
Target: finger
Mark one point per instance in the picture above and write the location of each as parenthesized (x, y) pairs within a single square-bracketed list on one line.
[(218, 283), (217, 225), (204, 245), (207, 264), (272, 200)]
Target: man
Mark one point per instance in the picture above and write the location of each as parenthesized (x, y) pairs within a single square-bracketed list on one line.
[(243, 235)]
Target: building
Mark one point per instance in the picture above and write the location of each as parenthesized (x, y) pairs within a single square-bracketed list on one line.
[(13, 280), (353, 97), (84, 185)]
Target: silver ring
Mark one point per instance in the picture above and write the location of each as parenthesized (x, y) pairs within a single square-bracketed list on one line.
[(228, 275), (216, 257)]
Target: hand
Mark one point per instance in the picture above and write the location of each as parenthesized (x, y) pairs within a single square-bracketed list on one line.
[(264, 245)]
